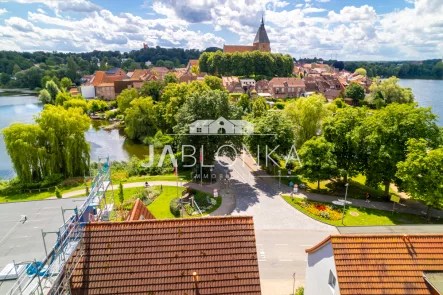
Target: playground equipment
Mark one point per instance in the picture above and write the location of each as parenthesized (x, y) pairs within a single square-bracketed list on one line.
[(51, 275)]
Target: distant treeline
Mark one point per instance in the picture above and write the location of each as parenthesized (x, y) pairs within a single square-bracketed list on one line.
[(246, 63)]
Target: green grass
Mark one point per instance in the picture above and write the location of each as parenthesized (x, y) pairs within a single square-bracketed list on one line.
[(366, 217), (160, 207), (356, 189), (23, 197)]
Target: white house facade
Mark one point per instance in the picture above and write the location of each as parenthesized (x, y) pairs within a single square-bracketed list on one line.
[(221, 126), (321, 274)]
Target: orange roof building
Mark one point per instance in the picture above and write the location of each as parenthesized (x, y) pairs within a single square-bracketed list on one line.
[(210, 255), (261, 43), (139, 212), (375, 264)]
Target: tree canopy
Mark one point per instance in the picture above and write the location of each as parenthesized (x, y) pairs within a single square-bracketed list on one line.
[(306, 115), (388, 91), (56, 144), (421, 172), (356, 92)]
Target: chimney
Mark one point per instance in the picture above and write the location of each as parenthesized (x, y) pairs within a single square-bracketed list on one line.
[(195, 278)]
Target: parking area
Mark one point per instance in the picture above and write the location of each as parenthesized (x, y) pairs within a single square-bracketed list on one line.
[(22, 241)]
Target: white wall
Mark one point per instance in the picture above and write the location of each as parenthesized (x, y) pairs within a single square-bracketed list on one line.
[(87, 91), (320, 263)]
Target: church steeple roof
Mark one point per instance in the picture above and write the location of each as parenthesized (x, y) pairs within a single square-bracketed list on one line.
[(262, 36)]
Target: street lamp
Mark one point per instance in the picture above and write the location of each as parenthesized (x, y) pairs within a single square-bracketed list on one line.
[(344, 204)]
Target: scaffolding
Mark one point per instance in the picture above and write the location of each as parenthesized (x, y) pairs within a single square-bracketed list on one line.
[(51, 275)]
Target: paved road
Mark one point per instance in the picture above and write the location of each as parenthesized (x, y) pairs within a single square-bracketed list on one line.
[(23, 241), (283, 233)]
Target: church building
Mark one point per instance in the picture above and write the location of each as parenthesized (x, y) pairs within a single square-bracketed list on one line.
[(261, 43)]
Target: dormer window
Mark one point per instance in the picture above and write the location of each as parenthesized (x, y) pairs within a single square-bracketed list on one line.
[(199, 130)]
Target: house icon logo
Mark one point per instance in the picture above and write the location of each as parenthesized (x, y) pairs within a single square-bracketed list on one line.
[(221, 126)]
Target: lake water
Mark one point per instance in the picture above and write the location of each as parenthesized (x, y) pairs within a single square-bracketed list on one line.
[(20, 107), (23, 108)]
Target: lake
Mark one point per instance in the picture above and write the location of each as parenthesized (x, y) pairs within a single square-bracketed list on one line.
[(23, 107)]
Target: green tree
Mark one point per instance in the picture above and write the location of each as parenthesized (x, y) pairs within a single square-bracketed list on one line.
[(215, 83), (245, 103), (140, 118), (44, 96), (72, 69), (4, 79), (361, 71), (356, 92), (151, 88), (125, 98), (65, 83), (276, 132), (56, 144), (121, 196), (259, 107), (16, 69), (421, 173), (170, 78), (76, 103), (96, 105), (340, 130), (62, 97), (437, 70), (318, 161), (45, 79), (195, 70), (388, 91), (58, 193), (384, 135), (53, 90), (306, 115)]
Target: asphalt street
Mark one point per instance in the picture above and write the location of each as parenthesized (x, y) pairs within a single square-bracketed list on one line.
[(22, 241), (282, 232)]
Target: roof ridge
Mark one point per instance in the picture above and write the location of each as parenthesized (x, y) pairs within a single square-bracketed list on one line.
[(173, 220)]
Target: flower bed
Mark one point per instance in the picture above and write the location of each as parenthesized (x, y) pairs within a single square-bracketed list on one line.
[(325, 211)]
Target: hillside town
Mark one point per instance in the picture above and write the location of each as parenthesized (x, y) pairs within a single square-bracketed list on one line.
[(246, 172)]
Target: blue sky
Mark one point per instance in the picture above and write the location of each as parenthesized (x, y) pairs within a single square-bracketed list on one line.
[(348, 29)]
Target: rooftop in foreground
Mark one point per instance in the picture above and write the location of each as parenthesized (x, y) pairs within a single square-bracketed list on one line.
[(213, 255), (386, 264)]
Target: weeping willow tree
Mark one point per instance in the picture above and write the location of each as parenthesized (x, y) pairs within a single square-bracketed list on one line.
[(55, 144)]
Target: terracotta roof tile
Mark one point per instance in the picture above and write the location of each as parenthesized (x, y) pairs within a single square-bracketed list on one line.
[(139, 212), (159, 256), (385, 264)]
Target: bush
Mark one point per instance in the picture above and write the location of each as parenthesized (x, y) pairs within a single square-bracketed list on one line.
[(300, 291), (280, 105), (174, 207), (58, 193), (111, 114), (321, 210)]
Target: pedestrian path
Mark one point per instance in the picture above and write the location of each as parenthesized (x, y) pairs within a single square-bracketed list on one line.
[(226, 207)]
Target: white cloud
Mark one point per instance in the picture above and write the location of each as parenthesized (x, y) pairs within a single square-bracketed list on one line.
[(41, 11), (354, 14), (3, 10), (62, 5)]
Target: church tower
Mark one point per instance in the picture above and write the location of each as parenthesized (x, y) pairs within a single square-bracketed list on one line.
[(261, 41)]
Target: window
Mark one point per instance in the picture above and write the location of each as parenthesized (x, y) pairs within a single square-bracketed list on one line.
[(332, 280), (199, 130), (221, 123)]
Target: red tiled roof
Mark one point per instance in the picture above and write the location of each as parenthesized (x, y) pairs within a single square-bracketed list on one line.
[(137, 74), (237, 48), (160, 256), (385, 264), (100, 77), (139, 212), (292, 82)]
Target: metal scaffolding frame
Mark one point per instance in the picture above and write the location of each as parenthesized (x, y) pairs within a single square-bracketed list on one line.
[(51, 275)]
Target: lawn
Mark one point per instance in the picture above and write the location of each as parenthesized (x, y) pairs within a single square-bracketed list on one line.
[(22, 197), (356, 189), (160, 206), (365, 217)]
